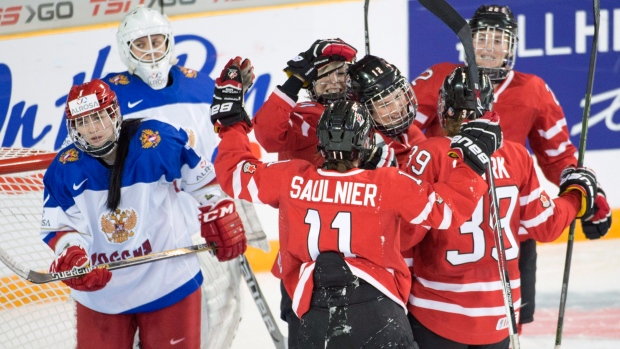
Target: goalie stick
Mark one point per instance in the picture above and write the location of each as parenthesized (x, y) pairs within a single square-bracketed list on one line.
[(279, 340), (596, 9), (460, 27), (42, 277)]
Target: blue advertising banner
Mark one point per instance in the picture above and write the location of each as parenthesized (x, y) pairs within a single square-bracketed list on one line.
[(555, 38)]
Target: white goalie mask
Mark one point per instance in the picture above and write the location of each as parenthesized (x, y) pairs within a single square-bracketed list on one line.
[(146, 46)]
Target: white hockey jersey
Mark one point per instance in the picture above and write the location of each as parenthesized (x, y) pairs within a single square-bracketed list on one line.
[(151, 217), (184, 104)]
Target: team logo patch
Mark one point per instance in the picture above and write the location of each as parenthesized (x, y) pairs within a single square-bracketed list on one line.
[(117, 225), (249, 168), (232, 73), (189, 73), (70, 155), (150, 138), (544, 199), (120, 79)]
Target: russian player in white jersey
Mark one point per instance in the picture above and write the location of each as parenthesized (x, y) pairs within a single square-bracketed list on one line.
[(154, 87), (115, 193)]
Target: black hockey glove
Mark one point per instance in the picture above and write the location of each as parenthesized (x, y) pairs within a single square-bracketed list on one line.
[(321, 52), (477, 141), (228, 107), (597, 225), (381, 156), (584, 180)]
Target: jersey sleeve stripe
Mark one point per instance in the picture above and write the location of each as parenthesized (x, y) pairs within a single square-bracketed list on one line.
[(541, 218), (237, 180), (253, 189), (553, 130), (560, 150), (284, 97), (534, 195)]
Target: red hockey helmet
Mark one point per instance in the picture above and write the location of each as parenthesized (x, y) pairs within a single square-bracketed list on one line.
[(93, 117)]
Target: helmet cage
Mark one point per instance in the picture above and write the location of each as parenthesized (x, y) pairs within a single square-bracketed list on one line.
[(146, 22), (494, 30), (457, 102), (344, 132), (333, 77), (393, 109), (99, 120)]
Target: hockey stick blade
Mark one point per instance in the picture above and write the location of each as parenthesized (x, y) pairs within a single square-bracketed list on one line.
[(278, 339), (42, 278)]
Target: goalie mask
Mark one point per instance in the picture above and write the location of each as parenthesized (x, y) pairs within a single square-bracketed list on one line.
[(93, 118), (146, 46), (494, 30), (344, 132), (457, 102), (386, 93)]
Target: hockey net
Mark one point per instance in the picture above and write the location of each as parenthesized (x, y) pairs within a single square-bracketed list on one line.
[(43, 316), (31, 316)]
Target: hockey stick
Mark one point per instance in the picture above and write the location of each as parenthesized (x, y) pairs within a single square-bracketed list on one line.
[(279, 340), (42, 278), (580, 156), (366, 36), (460, 27)]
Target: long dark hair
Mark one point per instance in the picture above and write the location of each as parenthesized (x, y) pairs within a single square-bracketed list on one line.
[(128, 130)]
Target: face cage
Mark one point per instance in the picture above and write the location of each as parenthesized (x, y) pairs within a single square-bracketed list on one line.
[(485, 45), (143, 59), (331, 77), (395, 107), (111, 112)]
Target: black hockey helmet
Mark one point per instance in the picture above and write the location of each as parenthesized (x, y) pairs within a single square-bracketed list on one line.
[(345, 132), (456, 99), (496, 20), (386, 93)]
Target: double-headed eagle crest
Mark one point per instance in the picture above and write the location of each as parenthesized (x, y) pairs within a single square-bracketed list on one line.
[(117, 225)]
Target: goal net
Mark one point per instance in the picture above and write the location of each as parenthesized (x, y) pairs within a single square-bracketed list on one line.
[(31, 316), (43, 315)]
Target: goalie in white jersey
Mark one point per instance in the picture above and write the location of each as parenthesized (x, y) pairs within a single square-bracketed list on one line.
[(156, 87), (115, 193)]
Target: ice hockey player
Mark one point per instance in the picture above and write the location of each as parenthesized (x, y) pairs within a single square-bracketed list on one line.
[(530, 113), (339, 224), (456, 296), (125, 189)]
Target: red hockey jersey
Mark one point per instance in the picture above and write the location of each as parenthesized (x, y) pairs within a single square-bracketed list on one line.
[(357, 213), (456, 290), (528, 109)]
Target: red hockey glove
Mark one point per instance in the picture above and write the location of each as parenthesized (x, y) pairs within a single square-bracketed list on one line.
[(381, 156), (598, 223), (477, 141), (221, 225), (227, 107), (76, 257), (584, 180), (320, 53)]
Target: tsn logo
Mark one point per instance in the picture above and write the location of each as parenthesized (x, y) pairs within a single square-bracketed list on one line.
[(112, 7)]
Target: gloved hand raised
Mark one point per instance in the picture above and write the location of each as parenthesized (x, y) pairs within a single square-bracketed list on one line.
[(306, 64), (228, 106), (221, 225), (477, 141), (76, 257)]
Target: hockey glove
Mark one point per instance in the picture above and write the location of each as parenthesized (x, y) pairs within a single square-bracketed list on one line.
[(228, 107), (321, 52), (477, 141), (584, 180), (222, 226), (597, 225), (381, 156), (76, 257), (247, 73)]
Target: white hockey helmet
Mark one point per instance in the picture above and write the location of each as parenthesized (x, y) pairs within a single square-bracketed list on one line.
[(151, 64)]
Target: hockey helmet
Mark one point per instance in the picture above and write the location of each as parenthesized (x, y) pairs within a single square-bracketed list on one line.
[(345, 132), (93, 117), (494, 30), (457, 101), (151, 64), (387, 94)]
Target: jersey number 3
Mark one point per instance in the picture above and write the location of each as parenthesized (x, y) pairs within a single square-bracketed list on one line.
[(342, 223)]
